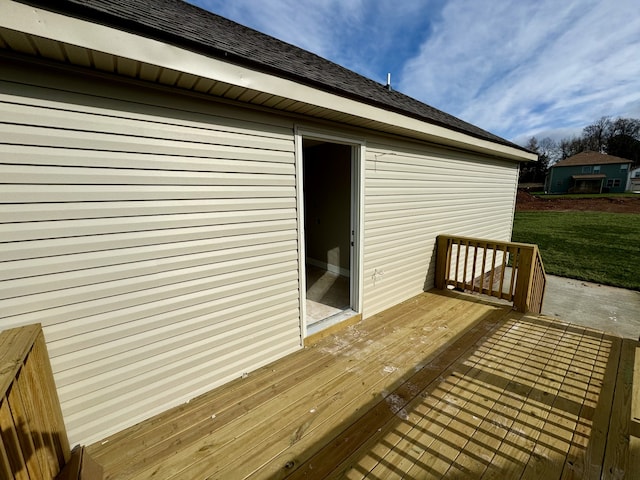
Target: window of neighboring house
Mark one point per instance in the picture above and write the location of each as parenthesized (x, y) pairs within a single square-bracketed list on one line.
[(609, 182), (624, 166), (616, 182), (586, 169), (596, 169)]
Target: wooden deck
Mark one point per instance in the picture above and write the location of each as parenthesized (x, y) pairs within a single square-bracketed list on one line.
[(442, 386)]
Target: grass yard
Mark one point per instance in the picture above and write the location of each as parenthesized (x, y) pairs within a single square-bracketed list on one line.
[(594, 246)]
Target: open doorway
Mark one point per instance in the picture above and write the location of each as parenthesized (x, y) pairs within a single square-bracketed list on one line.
[(329, 229)]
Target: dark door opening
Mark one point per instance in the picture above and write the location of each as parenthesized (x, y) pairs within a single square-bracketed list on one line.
[(328, 228)]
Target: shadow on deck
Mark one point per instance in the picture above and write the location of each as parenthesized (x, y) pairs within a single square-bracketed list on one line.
[(444, 385)]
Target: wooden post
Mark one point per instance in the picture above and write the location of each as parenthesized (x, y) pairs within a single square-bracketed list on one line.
[(33, 441), (442, 254), (524, 277)]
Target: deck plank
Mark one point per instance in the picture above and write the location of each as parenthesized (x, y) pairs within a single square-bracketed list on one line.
[(161, 436), (616, 460), (442, 386), (347, 387)]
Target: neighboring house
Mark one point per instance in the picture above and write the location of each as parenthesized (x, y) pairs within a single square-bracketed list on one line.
[(633, 184), (170, 177), (588, 172)]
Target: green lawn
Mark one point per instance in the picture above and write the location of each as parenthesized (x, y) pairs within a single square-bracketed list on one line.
[(594, 246)]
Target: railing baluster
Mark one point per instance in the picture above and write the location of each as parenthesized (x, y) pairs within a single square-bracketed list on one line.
[(493, 269), (464, 269), (473, 267), (527, 281), (484, 263), (457, 263), (505, 256)]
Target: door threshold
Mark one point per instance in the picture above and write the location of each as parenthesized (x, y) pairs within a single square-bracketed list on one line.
[(330, 325)]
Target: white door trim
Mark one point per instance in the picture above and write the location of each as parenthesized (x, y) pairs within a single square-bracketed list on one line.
[(358, 151)]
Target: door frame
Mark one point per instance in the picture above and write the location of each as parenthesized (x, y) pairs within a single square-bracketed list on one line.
[(358, 150)]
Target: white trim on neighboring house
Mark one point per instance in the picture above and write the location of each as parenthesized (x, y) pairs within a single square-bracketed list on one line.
[(73, 31), (633, 174)]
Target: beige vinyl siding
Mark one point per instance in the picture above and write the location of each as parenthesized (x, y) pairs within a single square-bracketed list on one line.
[(411, 196), (154, 236)]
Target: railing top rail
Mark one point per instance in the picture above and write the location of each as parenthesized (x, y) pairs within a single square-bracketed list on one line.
[(490, 242), (15, 345)]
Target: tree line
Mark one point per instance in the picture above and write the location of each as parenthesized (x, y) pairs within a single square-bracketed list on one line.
[(619, 137)]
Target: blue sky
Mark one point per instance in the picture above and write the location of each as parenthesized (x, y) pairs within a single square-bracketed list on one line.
[(516, 68)]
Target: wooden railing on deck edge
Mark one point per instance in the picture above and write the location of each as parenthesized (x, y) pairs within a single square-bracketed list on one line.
[(33, 439), (506, 270)]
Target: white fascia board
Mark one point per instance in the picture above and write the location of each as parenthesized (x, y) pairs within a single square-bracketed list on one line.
[(81, 33)]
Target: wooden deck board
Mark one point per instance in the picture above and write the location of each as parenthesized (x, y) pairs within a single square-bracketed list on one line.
[(442, 386)]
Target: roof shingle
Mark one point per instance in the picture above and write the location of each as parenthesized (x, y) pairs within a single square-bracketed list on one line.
[(188, 26), (590, 158)]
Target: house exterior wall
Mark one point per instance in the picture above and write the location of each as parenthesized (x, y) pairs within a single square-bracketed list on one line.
[(633, 183), (560, 181), (414, 194), (155, 236)]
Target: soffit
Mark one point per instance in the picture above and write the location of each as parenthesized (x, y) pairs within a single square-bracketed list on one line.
[(71, 41)]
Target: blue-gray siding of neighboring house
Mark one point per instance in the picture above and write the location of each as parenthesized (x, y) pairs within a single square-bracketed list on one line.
[(561, 179)]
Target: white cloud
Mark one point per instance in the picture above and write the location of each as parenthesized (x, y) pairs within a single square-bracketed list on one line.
[(517, 68), (514, 68), (367, 36)]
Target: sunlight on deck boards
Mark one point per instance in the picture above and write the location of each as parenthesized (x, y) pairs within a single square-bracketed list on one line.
[(441, 386)]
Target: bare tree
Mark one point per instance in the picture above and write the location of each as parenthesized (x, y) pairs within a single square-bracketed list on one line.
[(535, 172), (596, 136)]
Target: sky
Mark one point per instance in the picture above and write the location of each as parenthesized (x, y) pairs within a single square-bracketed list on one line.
[(517, 68)]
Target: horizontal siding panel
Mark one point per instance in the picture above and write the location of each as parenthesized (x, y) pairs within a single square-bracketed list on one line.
[(113, 416), (434, 194), (39, 174), (443, 174), (154, 236), (70, 120), (401, 216), (138, 343), (221, 159), (156, 299), (227, 223), (126, 247), (175, 355), (135, 103), (90, 292), (104, 193), (109, 329), (55, 282), (190, 368), (411, 198), (165, 355), (437, 205), (51, 137), (75, 210)]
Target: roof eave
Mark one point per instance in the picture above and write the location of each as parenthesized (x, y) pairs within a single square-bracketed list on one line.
[(124, 44)]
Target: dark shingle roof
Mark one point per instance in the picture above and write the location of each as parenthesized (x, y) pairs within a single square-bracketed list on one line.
[(590, 158), (191, 27)]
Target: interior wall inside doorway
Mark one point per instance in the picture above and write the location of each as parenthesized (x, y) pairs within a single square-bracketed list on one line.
[(327, 194)]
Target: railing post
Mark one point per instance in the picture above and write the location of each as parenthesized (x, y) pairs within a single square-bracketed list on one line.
[(524, 272), (34, 441), (442, 254)]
